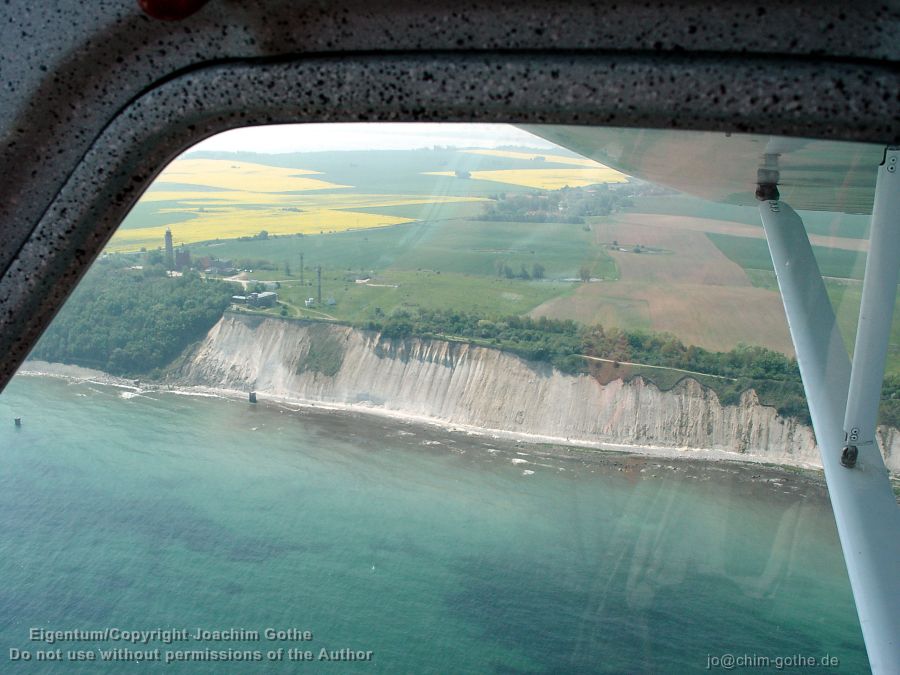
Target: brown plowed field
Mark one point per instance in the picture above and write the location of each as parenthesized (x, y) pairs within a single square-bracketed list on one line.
[(687, 287), (687, 257), (714, 317)]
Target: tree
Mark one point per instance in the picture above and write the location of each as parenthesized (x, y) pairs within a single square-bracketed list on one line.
[(398, 327), (537, 271), (287, 268), (130, 323), (584, 273)]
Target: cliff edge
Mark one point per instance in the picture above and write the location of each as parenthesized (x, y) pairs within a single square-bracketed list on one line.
[(462, 384)]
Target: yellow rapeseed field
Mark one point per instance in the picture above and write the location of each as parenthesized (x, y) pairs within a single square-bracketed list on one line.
[(245, 176), (190, 201), (546, 179), (233, 223), (254, 197), (248, 197)]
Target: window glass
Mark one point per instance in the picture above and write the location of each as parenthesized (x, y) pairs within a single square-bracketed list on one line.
[(439, 398)]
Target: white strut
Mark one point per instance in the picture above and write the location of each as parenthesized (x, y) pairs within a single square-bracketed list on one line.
[(865, 509)]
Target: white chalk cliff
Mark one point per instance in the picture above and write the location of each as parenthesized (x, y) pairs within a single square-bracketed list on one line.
[(466, 385)]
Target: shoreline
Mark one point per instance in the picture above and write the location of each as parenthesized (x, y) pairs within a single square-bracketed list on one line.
[(537, 441)]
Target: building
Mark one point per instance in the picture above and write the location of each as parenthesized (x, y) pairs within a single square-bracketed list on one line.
[(170, 251), (223, 268), (182, 258), (265, 299)]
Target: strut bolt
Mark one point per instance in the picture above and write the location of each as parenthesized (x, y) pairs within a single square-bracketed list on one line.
[(849, 455)]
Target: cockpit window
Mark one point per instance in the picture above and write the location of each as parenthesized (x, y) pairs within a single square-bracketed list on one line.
[(443, 398)]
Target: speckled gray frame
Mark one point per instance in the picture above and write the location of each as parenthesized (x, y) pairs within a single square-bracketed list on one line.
[(98, 99)]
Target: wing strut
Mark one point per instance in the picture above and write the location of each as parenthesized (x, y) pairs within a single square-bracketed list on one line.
[(843, 403), (876, 310)]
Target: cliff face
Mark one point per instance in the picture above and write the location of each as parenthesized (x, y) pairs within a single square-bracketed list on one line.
[(475, 386)]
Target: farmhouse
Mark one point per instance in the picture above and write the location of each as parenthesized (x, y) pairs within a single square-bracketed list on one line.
[(265, 299)]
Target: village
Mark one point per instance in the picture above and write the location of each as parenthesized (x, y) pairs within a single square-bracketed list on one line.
[(178, 260)]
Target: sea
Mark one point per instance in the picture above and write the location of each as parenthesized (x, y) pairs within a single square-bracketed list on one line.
[(165, 532)]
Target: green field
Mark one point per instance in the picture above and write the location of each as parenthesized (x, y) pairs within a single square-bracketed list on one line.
[(817, 222), (685, 205), (475, 247), (410, 290), (447, 258), (455, 246), (360, 250), (754, 254), (428, 212), (434, 265), (154, 214), (845, 295)]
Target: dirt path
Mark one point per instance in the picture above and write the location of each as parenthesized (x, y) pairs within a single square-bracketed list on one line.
[(647, 365)]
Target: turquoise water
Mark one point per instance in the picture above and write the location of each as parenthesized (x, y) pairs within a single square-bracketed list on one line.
[(432, 550)]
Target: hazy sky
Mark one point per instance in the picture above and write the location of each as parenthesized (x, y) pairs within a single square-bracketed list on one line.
[(381, 136)]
